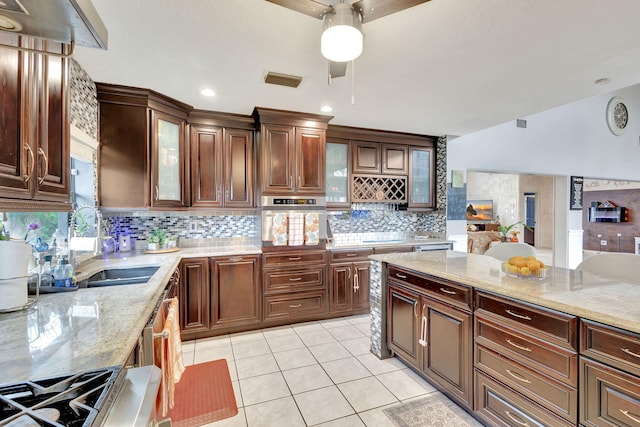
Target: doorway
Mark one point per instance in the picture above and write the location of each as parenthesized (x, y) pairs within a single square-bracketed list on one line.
[(530, 218)]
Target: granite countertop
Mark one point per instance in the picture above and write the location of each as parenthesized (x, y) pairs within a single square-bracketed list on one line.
[(579, 293), (92, 328)]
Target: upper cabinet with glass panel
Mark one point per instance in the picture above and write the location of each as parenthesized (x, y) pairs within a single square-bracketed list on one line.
[(337, 179), (421, 177), (168, 160)]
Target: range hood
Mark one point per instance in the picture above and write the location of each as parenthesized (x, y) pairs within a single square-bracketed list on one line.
[(63, 21)]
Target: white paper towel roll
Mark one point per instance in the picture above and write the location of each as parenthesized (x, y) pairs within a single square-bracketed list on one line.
[(13, 293), (14, 259)]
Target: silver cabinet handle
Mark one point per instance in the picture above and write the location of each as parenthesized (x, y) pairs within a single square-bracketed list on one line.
[(628, 415), (157, 193), (402, 276), (356, 283), (42, 177), (351, 254), (30, 163), (415, 312), (447, 291), (295, 305), (626, 350), (295, 258), (295, 279), (423, 328), (235, 259), (519, 316), (518, 377), (515, 420), (518, 346)]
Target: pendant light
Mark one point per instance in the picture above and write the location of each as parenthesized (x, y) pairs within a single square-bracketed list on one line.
[(342, 38)]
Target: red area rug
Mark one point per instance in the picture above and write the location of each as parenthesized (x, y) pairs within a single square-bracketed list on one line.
[(203, 395)]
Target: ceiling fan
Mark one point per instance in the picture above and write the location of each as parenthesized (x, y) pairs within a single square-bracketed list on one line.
[(344, 20)]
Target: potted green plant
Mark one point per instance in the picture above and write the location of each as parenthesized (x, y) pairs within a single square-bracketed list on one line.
[(505, 229), (156, 240)]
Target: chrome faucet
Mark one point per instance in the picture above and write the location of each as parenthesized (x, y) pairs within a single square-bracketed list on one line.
[(72, 226)]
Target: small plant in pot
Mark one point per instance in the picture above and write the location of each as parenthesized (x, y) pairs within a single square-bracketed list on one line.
[(505, 229), (156, 240)]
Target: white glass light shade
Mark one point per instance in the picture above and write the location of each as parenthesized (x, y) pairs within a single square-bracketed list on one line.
[(341, 43)]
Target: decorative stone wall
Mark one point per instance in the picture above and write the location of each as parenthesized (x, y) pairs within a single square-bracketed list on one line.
[(83, 100), (376, 300)]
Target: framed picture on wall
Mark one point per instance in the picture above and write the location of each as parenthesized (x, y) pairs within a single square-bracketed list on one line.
[(479, 210), (575, 193)]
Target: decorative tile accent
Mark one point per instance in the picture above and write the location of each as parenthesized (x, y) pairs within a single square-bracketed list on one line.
[(83, 100), (441, 174), (192, 230), (375, 301)]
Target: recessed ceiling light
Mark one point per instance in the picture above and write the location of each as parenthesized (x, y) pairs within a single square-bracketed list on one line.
[(326, 109), (602, 81), (207, 92)]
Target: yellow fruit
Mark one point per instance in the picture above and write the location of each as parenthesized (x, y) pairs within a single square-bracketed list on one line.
[(531, 258), (541, 264), (525, 272), (521, 263), (513, 269), (515, 259), (533, 265)]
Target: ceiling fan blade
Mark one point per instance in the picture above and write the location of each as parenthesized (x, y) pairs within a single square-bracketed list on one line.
[(374, 9), (337, 69), (308, 7)]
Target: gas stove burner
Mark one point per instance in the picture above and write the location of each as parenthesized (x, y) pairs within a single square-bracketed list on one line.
[(71, 400)]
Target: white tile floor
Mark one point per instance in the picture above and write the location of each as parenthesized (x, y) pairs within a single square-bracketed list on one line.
[(310, 374)]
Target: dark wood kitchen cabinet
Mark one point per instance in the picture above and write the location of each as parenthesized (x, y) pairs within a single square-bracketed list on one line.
[(531, 354), (221, 167), (609, 376), (377, 158), (219, 295), (34, 140), (349, 281), (430, 327), (235, 291), (142, 148), (193, 296), (294, 285), (222, 160), (292, 152)]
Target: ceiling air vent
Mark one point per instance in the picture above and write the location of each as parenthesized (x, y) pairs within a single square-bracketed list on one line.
[(282, 79)]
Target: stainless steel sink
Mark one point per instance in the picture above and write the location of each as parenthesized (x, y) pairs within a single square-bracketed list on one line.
[(119, 276)]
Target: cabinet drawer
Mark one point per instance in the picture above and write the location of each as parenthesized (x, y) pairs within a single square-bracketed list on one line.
[(294, 305), (498, 405), (297, 257), (608, 397), (532, 352), (349, 255), (547, 324), (451, 293), (393, 250), (613, 346), (551, 394), (290, 280)]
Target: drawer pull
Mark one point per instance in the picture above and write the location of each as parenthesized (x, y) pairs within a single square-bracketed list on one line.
[(518, 346), (295, 258), (351, 254), (295, 279), (519, 316), (626, 350), (402, 276), (515, 420), (628, 415), (235, 259), (447, 291), (518, 377), (295, 305)]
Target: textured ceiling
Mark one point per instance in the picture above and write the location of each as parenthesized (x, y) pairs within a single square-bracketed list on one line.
[(443, 67)]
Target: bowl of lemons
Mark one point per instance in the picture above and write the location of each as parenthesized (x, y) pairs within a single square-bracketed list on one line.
[(525, 268)]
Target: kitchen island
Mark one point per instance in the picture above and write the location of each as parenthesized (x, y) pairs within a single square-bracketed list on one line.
[(560, 351), (91, 328)]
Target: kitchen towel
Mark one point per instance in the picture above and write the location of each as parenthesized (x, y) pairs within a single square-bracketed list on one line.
[(280, 229), (311, 229), (170, 356), (296, 229)]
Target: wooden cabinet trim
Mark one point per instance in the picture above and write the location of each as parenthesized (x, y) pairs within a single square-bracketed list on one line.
[(613, 346), (389, 137)]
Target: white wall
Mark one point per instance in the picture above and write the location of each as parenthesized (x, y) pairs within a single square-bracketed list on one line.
[(569, 140), (572, 139)]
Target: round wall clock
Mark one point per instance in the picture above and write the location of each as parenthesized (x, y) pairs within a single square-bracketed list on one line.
[(617, 115)]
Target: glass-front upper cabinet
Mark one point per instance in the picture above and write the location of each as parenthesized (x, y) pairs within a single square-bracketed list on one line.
[(168, 160), (421, 177), (337, 178)]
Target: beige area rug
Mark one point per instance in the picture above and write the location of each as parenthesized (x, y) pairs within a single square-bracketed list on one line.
[(434, 410)]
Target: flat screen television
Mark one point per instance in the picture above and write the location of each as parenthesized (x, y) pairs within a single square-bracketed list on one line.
[(479, 210)]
